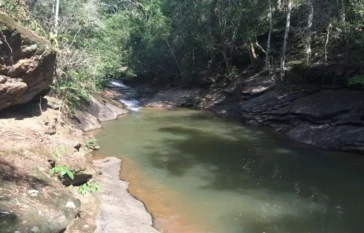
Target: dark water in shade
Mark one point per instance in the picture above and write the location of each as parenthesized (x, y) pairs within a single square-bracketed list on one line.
[(199, 174)]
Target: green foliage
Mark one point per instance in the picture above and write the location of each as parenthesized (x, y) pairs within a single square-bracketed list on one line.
[(184, 40), (58, 151), (62, 171), (10, 6), (91, 144), (71, 90), (89, 187), (356, 81)]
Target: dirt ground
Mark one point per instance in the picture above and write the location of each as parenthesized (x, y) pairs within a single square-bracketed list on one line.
[(33, 139)]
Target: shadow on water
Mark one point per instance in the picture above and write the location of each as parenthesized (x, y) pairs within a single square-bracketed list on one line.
[(246, 165), (271, 184)]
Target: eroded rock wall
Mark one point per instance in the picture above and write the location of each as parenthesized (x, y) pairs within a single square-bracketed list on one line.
[(328, 117), (27, 63)]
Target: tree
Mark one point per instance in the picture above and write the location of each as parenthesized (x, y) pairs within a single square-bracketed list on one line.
[(270, 18), (309, 31), (286, 34)]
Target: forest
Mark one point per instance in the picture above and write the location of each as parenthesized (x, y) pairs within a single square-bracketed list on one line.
[(197, 42), (185, 116)]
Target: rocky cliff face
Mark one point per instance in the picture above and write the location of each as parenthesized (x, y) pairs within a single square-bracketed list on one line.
[(27, 63), (327, 117)]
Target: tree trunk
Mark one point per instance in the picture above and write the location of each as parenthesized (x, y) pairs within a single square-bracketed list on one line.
[(327, 39), (309, 31), (286, 33), (253, 53), (226, 59), (267, 62), (343, 15), (279, 5), (175, 59), (346, 38), (56, 18)]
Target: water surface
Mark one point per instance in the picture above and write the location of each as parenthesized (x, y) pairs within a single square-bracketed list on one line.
[(199, 174)]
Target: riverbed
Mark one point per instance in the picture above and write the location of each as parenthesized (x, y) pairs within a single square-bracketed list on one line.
[(197, 173)]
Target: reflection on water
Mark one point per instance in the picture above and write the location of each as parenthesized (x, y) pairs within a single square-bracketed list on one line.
[(239, 179)]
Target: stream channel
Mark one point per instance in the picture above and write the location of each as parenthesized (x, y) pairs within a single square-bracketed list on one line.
[(199, 174)]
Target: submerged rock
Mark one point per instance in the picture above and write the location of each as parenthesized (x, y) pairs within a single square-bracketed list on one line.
[(27, 64), (173, 98)]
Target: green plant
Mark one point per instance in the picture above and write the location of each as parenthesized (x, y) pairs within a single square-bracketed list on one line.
[(89, 187), (70, 89), (58, 151), (62, 171), (356, 80), (10, 6), (91, 144)]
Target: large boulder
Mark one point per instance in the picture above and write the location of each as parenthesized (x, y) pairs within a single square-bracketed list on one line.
[(27, 63), (331, 119), (30, 200)]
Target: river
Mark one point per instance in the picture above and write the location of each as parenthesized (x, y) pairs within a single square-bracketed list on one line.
[(199, 174)]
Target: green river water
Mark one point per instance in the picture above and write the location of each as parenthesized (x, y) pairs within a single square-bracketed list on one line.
[(215, 176)]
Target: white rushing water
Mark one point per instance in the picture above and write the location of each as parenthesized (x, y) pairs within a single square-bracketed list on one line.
[(130, 103), (117, 84)]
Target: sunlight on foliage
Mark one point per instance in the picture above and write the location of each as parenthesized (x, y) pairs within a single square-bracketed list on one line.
[(89, 187), (62, 171)]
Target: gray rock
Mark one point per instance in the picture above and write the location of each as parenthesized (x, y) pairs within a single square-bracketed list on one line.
[(87, 122), (104, 111), (120, 211), (173, 98), (329, 118), (325, 118), (29, 202)]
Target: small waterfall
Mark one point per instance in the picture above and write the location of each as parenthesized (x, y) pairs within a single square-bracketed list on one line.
[(114, 83), (131, 104), (129, 95)]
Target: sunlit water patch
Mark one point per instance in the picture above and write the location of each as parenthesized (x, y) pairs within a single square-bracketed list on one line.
[(200, 174)]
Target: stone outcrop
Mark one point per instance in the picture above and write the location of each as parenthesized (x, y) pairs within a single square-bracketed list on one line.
[(104, 110), (173, 98), (98, 109), (327, 117), (120, 211), (31, 199), (27, 63), (331, 119)]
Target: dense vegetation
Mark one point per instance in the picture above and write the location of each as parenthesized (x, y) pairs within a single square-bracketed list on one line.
[(192, 40)]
